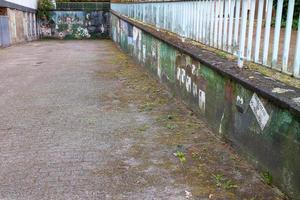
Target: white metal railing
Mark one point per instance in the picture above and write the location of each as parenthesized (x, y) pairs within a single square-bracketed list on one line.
[(241, 27)]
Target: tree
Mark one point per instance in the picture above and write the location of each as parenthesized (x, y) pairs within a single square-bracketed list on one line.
[(44, 8)]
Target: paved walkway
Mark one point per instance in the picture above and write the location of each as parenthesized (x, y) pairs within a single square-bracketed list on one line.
[(79, 120)]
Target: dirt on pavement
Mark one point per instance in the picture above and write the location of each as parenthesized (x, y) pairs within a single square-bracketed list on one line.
[(81, 120)]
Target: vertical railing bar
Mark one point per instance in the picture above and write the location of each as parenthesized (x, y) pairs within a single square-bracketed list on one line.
[(171, 9), (207, 23), (287, 36), (144, 12), (243, 33), (212, 17), (185, 19), (196, 19), (1, 31), (250, 30), (258, 31), (277, 32), (187, 10), (220, 24), (216, 24), (296, 67), (164, 8), (204, 22), (173, 17), (176, 5), (267, 32), (181, 18), (226, 13), (201, 20), (157, 15), (230, 32), (166, 16), (236, 25), (190, 20)]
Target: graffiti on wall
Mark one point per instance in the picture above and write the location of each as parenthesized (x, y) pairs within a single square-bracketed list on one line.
[(253, 123), (76, 25)]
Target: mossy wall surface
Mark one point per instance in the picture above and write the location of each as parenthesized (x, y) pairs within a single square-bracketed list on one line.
[(265, 133)]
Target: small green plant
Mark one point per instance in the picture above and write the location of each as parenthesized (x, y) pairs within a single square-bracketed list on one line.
[(171, 126), (218, 178), (170, 117), (221, 181), (228, 184), (181, 156), (267, 177), (222, 54), (165, 118), (146, 107), (143, 128)]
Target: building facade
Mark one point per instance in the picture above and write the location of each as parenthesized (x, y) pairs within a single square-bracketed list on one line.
[(18, 22)]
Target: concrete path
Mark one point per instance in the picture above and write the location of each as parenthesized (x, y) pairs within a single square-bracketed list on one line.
[(80, 120)]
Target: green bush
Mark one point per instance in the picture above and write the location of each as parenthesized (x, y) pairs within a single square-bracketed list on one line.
[(44, 7), (284, 13)]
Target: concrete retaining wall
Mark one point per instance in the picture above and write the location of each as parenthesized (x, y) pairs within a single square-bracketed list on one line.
[(257, 119)]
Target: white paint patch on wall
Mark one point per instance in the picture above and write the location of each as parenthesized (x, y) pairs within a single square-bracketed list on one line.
[(195, 90), (26, 3), (188, 84), (182, 76), (159, 70), (240, 100), (202, 100), (178, 74), (193, 69), (144, 53)]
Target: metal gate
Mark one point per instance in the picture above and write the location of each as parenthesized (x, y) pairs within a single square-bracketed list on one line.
[(4, 32)]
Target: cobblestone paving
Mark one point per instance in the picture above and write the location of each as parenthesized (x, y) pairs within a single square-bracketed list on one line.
[(79, 120)]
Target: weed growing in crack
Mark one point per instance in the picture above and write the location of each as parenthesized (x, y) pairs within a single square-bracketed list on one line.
[(146, 107), (228, 184), (195, 155), (171, 126), (170, 117), (221, 181), (267, 177), (181, 156), (143, 128)]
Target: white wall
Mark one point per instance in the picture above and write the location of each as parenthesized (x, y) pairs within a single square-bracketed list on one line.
[(26, 3)]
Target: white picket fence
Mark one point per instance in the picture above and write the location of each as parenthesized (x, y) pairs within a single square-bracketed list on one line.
[(240, 27)]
